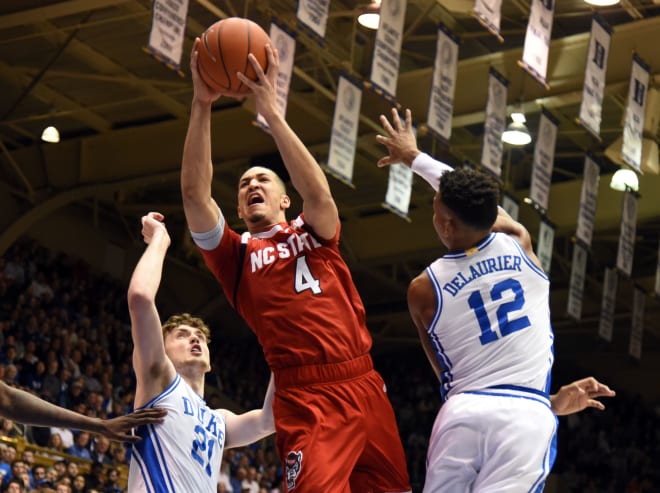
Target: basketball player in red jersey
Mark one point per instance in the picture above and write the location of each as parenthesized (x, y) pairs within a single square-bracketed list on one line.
[(336, 430)]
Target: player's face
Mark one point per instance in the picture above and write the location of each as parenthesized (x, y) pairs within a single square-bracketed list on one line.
[(261, 197), (187, 345)]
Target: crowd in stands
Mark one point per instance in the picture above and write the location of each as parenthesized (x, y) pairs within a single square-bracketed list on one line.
[(65, 336)]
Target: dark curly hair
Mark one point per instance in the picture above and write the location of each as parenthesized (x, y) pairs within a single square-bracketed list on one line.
[(472, 195), (186, 319)]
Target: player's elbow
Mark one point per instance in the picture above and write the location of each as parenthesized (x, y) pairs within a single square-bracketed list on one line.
[(138, 299)]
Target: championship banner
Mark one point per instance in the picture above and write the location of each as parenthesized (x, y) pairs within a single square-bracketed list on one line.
[(285, 44), (343, 141), (591, 108), (387, 49), (488, 13), (545, 245), (537, 40), (624, 257), (544, 155), (511, 206), (168, 28), (441, 104), (633, 125), (491, 151), (606, 325), (399, 188), (313, 14), (657, 274), (588, 198), (637, 324), (576, 284)]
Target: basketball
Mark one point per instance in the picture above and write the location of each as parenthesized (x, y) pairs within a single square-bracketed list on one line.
[(223, 51)]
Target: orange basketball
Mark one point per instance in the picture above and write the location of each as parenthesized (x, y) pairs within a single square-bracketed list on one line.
[(224, 51)]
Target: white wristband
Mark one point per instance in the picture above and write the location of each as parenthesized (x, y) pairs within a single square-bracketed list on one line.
[(430, 169), (209, 240)]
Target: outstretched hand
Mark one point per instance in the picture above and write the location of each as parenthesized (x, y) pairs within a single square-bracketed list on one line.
[(400, 141), (152, 224), (579, 395), (264, 88), (119, 428)]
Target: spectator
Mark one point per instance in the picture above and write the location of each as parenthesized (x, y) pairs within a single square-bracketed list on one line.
[(15, 486), (101, 452), (50, 389), (61, 439), (111, 484), (78, 485), (80, 446)]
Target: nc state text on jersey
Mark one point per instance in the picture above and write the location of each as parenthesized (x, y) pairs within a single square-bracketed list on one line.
[(293, 246)]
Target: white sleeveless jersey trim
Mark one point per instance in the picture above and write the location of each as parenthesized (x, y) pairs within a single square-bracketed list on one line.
[(495, 331), (183, 453)]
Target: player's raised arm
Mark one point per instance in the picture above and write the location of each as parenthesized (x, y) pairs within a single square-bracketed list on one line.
[(306, 175), (153, 369), (202, 212)]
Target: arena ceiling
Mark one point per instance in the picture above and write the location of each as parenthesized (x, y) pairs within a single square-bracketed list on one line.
[(80, 65)]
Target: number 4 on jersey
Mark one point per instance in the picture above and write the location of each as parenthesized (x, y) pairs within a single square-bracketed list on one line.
[(304, 278)]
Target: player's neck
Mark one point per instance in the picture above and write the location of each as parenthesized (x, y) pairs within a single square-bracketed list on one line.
[(195, 379), (469, 238), (263, 226)]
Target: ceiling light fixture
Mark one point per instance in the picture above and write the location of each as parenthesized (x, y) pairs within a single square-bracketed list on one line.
[(624, 179), (517, 133), (370, 18), (602, 3), (50, 134)]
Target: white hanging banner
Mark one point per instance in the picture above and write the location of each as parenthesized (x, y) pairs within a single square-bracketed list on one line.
[(399, 188), (387, 48), (545, 245), (343, 141), (591, 108), (511, 206), (608, 304), (637, 324), (657, 274), (576, 284), (285, 44), (168, 29), (537, 39), (491, 151), (488, 13), (625, 254), (441, 104), (588, 198), (633, 125), (314, 15), (544, 156)]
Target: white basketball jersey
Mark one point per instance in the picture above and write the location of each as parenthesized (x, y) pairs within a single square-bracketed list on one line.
[(183, 453), (492, 322)]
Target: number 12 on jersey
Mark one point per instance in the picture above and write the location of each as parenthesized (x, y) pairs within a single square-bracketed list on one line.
[(506, 326)]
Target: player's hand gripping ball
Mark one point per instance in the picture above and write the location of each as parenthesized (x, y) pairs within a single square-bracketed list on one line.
[(223, 51)]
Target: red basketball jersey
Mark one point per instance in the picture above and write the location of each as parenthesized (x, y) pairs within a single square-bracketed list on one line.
[(295, 292)]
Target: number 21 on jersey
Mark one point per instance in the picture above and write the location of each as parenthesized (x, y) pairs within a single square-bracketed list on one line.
[(506, 326)]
